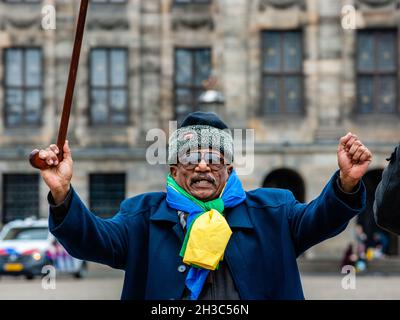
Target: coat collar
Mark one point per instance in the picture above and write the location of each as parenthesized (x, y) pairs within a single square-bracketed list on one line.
[(165, 214), (238, 217)]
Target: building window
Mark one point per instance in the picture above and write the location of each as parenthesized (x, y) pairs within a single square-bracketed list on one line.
[(108, 86), (377, 71), (282, 57), (20, 196), (192, 67), (107, 191), (23, 86)]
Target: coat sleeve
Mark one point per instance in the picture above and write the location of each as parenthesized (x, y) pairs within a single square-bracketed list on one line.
[(88, 237), (324, 217), (387, 196)]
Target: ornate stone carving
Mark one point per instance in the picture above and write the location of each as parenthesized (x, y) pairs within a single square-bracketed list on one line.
[(377, 3), (192, 21), (192, 16), (281, 4), (108, 17), (22, 21), (107, 23)]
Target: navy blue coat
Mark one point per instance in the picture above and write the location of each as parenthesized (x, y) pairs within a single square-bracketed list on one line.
[(270, 230)]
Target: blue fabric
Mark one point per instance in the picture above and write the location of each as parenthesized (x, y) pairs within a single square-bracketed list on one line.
[(195, 280), (232, 195), (270, 230)]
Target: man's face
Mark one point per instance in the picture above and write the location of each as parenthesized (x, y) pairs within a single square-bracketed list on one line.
[(202, 173)]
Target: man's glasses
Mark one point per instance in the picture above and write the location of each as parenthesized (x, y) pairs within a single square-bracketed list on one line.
[(191, 160)]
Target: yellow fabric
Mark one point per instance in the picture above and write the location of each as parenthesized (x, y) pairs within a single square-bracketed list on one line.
[(208, 239)]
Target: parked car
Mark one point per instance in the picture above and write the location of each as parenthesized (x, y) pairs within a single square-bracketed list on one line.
[(26, 246)]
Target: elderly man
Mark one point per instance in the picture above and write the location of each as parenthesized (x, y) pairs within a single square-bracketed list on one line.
[(206, 238), (387, 195)]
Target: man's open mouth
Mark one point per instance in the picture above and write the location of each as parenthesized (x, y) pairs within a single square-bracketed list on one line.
[(202, 182)]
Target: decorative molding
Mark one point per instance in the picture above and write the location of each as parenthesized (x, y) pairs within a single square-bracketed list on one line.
[(192, 16), (192, 21), (108, 16), (377, 3), (107, 22), (280, 4), (21, 21)]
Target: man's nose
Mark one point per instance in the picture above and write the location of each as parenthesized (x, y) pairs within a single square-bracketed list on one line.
[(202, 166)]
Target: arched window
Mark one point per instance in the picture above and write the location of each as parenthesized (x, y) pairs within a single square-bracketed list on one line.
[(286, 179)]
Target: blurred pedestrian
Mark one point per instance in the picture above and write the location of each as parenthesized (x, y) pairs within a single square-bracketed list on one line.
[(381, 244), (349, 256), (361, 241)]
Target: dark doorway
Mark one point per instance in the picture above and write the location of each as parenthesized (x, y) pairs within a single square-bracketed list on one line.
[(286, 179), (366, 218)]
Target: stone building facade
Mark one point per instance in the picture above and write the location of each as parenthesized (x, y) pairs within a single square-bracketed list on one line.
[(290, 69)]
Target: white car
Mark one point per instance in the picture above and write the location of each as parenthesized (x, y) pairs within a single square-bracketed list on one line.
[(26, 246)]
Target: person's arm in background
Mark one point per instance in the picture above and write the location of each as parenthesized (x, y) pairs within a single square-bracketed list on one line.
[(342, 198), (84, 235), (387, 196)]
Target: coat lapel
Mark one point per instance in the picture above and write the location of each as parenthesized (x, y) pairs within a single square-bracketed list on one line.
[(240, 223), (238, 217), (247, 256), (169, 217), (165, 265)]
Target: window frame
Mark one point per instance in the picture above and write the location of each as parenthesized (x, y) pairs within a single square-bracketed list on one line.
[(191, 87), (91, 200), (108, 87), (376, 73), (282, 74), (24, 88), (5, 185)]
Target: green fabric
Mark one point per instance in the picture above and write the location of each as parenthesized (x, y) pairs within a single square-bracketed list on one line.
[(216, 204)]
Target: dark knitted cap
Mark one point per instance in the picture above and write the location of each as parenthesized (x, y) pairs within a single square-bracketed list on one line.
[(204, 119), (201, 130)]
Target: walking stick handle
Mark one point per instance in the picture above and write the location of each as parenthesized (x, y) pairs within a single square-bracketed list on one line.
[(34, 159), (36, 162)]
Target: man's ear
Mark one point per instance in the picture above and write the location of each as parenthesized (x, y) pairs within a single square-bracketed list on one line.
[(229, 169), (173, 170)]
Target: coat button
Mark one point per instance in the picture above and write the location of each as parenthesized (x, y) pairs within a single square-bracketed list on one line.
[(182, 268)]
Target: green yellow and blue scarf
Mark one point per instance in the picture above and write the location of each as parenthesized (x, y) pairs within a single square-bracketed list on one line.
[(207, 232)]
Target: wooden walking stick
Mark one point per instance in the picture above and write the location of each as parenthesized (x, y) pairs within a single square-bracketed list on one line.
[(34, 159)]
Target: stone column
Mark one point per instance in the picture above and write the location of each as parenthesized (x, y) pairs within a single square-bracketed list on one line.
[(329, 71), (233, 80), (67, 14), (150, 27)]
